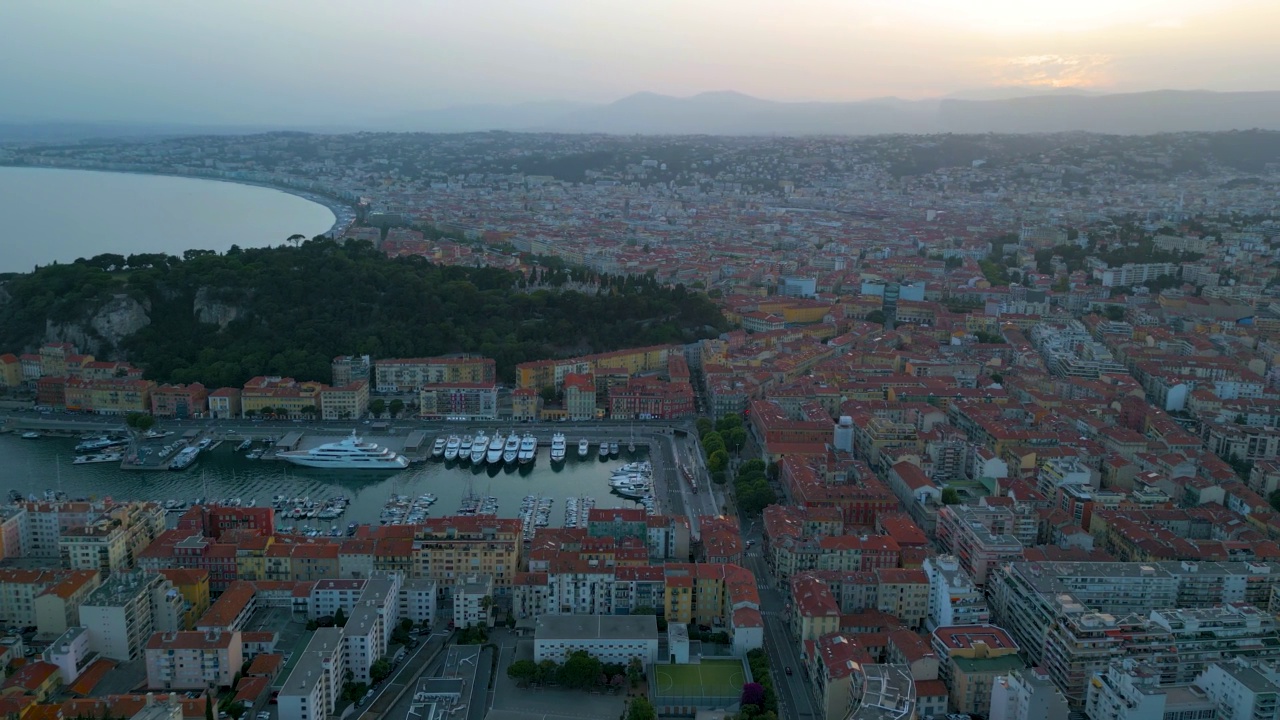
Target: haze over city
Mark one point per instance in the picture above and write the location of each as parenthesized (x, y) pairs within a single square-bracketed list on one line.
[(378, 63)]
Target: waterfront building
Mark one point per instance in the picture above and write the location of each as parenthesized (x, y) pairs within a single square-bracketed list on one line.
[(224, 404), (412, 374), (179, 401), (457, 400), (348, 369), (344, 402), (580, 396)]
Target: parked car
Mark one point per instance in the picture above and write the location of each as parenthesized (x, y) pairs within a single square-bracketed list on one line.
[(788, 669)]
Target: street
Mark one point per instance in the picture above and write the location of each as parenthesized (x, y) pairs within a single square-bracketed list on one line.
[(795, 697)]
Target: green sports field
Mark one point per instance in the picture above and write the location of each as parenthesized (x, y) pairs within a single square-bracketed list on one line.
[(713, 677)]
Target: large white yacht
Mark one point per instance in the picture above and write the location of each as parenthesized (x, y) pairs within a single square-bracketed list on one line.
[(451, 448), (528, 449), (479, 446), (511, 451), (493, 455), (558, 447), (350, 453)]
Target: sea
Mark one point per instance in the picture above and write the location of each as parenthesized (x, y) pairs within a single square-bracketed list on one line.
[(32, 467), (54, 215)]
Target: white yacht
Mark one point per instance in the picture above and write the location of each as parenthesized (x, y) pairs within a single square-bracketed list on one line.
[(479, 445), (350, 453), (493, 455), (528, 448), (558, 447), (464, 450), (438, 448), (451, 449), (511, 451), (98, 458), (584, 448)]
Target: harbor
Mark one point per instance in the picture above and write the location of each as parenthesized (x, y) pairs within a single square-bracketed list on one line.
[(227, 471)]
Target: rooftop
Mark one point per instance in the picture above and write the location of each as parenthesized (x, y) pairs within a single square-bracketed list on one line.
[(596, 627)]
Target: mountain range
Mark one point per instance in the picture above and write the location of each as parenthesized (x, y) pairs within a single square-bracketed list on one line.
[(731, 113)]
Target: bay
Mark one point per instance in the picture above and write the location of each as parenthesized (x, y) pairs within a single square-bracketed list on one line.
[(60, 215)]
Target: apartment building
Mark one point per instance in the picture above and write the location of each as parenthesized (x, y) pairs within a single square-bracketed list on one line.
[(350, 368), (193, 660), (954, 599), (977, 536), (1129, 690), (650, 399), (113, 396), (367, 632), (1027, 694), (22, 593), (971, 657), (447, 549), (608, 638), (412, 374), (314, 686), (179, 401), (344, 402), (57, 607), (467, 401), (126, 609)]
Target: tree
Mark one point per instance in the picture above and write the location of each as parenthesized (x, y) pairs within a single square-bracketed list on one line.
[(754, 497), (950, 496), (395, 407), (310, 411), (580, 671), (728, 422), (704, 426), (753, 694), (997, 378), (295, 239), (340, 618), (1115, 313), (522, 670), (377, 406), (548, 393), (208, 707), (752, 467), (548, 670), (635, 671), (735, 439), (877, 316), (719, 477), (718, 461), (141, 422), (712, 442), (640, 709), (268, 411), (380, 670)]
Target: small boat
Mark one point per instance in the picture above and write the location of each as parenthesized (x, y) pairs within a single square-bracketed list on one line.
[(604, 451), (584, 448), (438, 448), (31, 435), (613, 449), (479, 446), (244, 445), (528, 449), (558, 447)]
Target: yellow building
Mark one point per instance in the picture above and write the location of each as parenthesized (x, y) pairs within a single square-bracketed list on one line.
[(282, 396), (113, 396), (10, 370), (448, 549), (525, 403), (551, 373), (193, 583), (347, 402)]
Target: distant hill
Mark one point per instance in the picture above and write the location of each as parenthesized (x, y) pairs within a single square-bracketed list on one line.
[(730, 113)]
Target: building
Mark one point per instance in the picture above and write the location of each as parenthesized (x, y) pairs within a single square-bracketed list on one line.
[(348, 369), (1027, 694), (650, 399), (447, 549), (279, 397), (473, 602), (71, 653), (418, 601), (374, 617), (411, 374), (113, 396), (971, 657), (122, 614), (1242, 690), (1128, 690), (580, 396), (954, 599), (344, 402), (526, 404), (608, 638), (193, 659), (881, 692), (314, 686), (458, 401), (179, 401), (980, 538), (57, 607), (224, 404)]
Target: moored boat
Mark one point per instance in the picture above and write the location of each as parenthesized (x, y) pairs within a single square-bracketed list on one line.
[(558, 447), (584, 448)]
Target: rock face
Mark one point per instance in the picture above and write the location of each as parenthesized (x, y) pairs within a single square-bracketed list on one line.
[(114, 321), (209, 309)]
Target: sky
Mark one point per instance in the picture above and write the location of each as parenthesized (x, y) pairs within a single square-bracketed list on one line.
[(339, 62)]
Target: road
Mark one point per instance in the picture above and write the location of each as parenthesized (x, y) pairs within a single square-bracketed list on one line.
[(795, 697), (388, 700)]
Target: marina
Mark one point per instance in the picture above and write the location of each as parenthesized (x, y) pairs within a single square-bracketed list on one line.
[(226, 472)]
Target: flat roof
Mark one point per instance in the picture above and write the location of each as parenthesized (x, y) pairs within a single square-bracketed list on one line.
[(596, 627)]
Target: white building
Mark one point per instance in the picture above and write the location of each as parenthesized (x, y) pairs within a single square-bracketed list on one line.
[(1242, 691), (330, 596), (122, 613), (1027, 694), (71, 653), (1131, 690), (312, 689), (470, 606), (953, 597), (369, 627), (418, 600), (193, 660), (608, 638)]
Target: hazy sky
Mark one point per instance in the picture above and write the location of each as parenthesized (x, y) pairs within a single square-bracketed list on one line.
[(327, 62)]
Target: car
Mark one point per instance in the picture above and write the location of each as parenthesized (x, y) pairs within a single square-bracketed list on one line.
[(788, 670)]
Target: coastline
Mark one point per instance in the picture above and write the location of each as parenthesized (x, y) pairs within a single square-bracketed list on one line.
[(344, 212)]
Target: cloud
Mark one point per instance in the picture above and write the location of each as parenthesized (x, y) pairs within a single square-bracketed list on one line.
[(1064, 71)]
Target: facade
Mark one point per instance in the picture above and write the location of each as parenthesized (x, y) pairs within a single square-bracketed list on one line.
[(1242, 690), (580, 396), (1027, 694), (448, 549), (224, 404), (71, 653), (954, 599), (179, 401), (367, 632), (608, 638), (466, 401), (411, 374), (114, 396), (193, 660), (348, 369), (526, 403), (970, 659), (418, 601), (122, 614), (1128, 690), (344, 402), (279, 396), (650, 399), (472, 602)]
